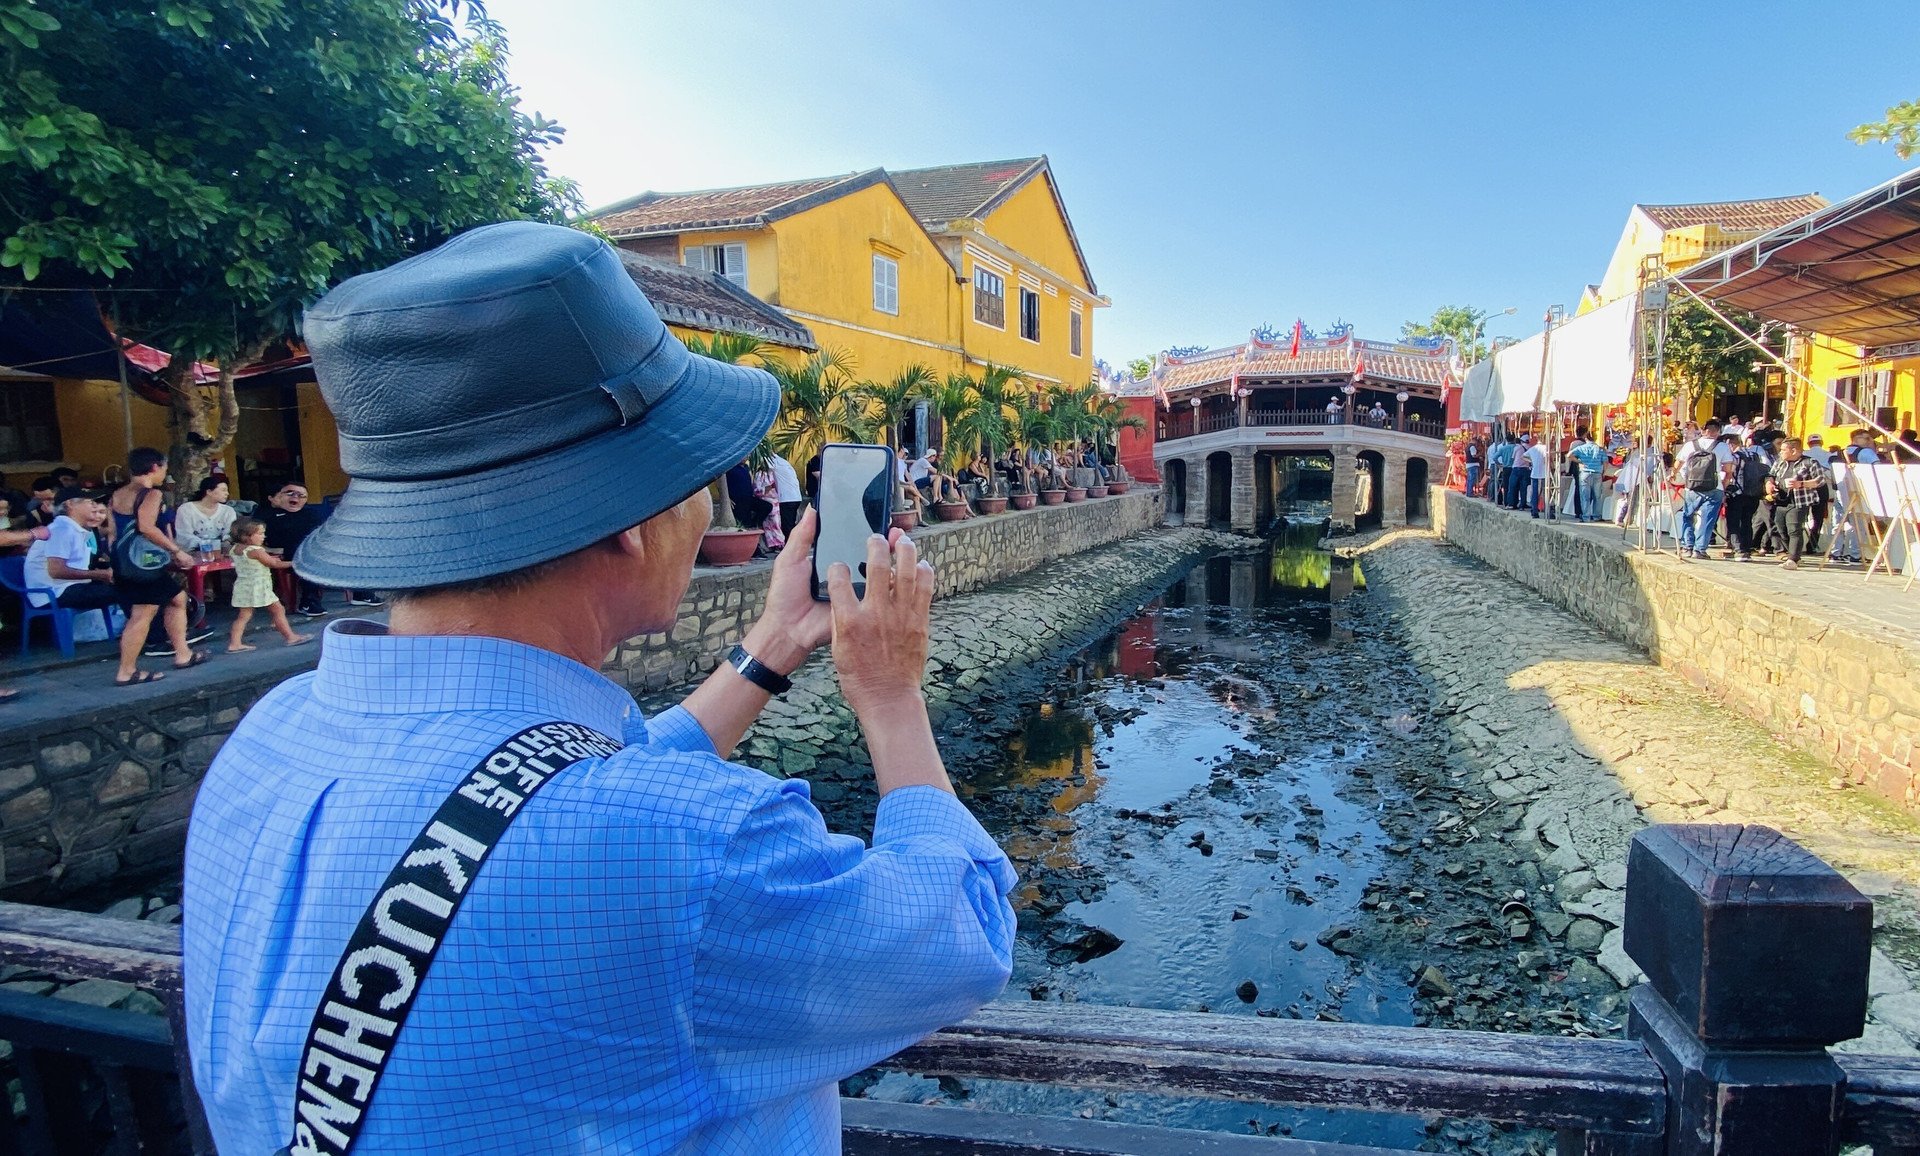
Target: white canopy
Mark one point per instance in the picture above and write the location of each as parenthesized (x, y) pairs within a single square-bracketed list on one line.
[(1588, 362), (1590, 359)]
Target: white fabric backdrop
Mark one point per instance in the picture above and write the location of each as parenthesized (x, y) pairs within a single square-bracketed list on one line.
[(1516, 375), (1590, 360)]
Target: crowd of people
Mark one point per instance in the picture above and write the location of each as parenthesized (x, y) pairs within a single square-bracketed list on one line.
[(119, 549), (771, 496), (1748, 488)]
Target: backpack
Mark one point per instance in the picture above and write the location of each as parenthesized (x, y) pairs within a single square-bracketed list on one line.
[(1750, 474), (1703, 470)]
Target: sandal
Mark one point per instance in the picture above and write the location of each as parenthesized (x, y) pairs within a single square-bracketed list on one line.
[(140, 678), (199, 656)]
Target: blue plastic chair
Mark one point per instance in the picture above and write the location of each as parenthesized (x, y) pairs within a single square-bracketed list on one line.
[(13, 575)]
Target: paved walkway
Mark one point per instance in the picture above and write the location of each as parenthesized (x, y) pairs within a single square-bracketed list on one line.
[(1595, 741), (1846, 595)]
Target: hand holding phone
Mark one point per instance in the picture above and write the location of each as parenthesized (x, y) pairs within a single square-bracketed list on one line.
[(855, 501)]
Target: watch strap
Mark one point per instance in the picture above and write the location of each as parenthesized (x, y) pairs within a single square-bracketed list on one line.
[(756, 672)]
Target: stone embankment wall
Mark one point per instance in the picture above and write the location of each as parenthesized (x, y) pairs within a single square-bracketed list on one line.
[(966, 556), (89, 796), (1835, 690)]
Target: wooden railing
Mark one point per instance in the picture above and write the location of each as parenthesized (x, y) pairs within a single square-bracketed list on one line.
[(1178, 426), (1756, 952)]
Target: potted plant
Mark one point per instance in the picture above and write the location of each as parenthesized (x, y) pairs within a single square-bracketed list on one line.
[(905, 519), (725, 543), (982, 415), (1117, 480), (992, 503), (1022, 498), (952, 511)]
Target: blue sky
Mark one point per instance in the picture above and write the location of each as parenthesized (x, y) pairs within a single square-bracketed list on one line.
[(1229, 164)]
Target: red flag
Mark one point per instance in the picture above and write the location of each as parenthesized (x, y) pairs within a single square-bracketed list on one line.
[(1297, 327), (1359, 365), (1446, 383)]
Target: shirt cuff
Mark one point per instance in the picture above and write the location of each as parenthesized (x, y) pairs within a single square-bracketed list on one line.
[(919, 812), (675, 729)]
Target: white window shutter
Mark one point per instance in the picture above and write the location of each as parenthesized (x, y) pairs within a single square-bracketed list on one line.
[(695, 257), (735, 269)]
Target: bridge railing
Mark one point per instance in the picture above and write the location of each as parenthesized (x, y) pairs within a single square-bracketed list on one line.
[(1756, 955), (1175, 427)]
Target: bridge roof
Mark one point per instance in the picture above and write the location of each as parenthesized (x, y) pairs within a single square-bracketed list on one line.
[(1415, 364)]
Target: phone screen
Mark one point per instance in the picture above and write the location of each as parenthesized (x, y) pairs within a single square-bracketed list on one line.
[(855, 500)]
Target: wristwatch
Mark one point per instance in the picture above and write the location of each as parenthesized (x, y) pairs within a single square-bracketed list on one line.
[(757, 672)]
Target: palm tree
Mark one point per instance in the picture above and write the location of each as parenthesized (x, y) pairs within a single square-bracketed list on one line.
[(819, 403), (734, 349), (891, 401), (1032, 422), (1112, 416), (988, 420)]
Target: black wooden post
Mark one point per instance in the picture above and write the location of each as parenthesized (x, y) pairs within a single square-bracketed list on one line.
[(1756, 957)]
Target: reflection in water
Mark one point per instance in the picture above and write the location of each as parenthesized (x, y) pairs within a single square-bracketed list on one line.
[(1194, 811)]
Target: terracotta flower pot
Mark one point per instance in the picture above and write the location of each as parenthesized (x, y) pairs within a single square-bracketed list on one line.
[(728, 547), (1097, 491), (1076, 494), (993, 505), (1053, 497), (951, 511), (1117, 487), (1023, 501), (905, 519)]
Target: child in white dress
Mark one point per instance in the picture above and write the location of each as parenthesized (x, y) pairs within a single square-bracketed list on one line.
[(253, 571)]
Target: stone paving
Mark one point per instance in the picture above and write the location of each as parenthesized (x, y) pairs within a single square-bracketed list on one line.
[(1595, 741)]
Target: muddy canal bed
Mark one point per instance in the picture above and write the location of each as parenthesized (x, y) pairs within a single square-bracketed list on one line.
[(1241, 802)]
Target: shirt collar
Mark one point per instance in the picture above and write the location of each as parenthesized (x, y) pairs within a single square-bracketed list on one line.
[(366, 669)]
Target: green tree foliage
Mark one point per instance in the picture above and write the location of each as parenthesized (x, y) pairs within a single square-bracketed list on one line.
[(232, 159), (1467, 326), (987, 422), (1703, 355), (1901, 128), (734, 349), (819, 403), (892, 400)]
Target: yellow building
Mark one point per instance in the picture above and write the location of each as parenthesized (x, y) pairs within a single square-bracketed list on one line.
[(952, 267), (1882, 388), (1684, 235)]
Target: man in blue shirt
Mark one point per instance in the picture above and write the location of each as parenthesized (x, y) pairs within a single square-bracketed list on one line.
[(666, 952)]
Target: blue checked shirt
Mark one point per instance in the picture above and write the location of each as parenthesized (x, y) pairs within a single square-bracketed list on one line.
[(666, 953)]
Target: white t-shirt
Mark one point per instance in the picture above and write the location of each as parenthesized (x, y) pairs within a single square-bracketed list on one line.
[(1700, 445), (1537, 459), (919, 471), (1736, 429), (786, 483), (66, 540), (1334, 406)]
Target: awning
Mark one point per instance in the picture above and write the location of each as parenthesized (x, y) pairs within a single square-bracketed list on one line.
[(64, 335), (1850, 271)]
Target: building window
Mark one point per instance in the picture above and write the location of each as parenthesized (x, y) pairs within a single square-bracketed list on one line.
[(1073, 332), (989, 298), (1029, 315), (29, 423), (1843, 389), (730, 261), (886, 284), (1879, 399)]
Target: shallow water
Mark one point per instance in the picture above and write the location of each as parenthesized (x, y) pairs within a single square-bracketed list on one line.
[(1194, 812)]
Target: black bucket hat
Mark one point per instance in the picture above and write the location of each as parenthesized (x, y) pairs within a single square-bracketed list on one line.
[(508, 398)]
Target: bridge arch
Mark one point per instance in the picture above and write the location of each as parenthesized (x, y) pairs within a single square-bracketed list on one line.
[(1416, 491), (1173, 490), (1219, 490), (1370, 470)]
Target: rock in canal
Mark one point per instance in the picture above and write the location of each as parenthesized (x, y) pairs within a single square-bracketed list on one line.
[(1247, 992)]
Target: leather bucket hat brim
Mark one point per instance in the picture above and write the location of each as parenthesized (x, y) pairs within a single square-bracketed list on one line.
[(507, 399)]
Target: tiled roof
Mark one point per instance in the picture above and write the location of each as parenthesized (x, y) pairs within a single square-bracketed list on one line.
[(698, 300), (1758, 216), (1382, 360), (722, 208), (948, 192)]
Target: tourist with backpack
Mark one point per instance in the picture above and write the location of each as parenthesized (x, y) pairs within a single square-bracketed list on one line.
[(1703, 465), (1745, 489)]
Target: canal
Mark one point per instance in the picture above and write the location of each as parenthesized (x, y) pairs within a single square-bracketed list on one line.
[(1227, 805)]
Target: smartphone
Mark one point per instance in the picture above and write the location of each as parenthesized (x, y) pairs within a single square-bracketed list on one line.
[(855, 501)]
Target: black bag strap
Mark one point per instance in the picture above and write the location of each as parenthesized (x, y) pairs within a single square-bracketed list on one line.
[(373, 988)]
